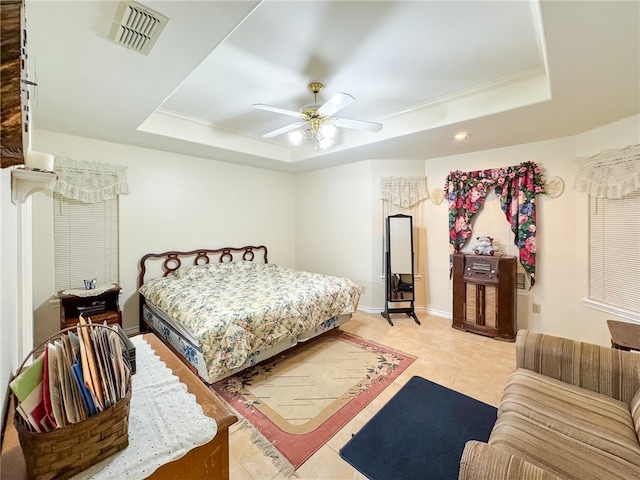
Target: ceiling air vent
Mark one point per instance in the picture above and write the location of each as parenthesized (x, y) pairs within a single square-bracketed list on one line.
[(136, 27)]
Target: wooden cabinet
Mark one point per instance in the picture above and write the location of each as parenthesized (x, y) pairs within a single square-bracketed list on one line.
[(101, 307), (211, 460), (484, 295)]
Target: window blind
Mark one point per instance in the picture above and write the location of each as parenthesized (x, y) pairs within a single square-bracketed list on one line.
[(614, 255), (85, 242)]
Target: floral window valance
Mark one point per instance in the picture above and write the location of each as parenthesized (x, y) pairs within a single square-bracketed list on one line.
[(403, 191), (89, 182), (516, 187), (610, 174)]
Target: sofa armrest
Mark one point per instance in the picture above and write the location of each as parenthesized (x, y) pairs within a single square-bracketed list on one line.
[(481, 461), (604, 370)]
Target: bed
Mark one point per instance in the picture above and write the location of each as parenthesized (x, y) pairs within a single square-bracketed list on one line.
[(223, 310)]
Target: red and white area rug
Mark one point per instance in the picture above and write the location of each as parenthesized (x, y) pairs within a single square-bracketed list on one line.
[(301, 398)]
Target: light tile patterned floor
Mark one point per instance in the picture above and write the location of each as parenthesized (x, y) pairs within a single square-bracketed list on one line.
[(471, 364)]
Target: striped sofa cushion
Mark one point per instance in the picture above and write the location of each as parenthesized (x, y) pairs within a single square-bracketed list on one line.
[(635, 412), (482, 461), (605, 370), (573, 432), (559, 454)]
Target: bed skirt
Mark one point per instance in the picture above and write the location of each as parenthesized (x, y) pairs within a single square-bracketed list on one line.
[(192, 352)]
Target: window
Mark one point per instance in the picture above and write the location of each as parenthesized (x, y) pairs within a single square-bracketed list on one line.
[(614, 254), (611, 180), (85, 241), (85, 221), (491, 221)]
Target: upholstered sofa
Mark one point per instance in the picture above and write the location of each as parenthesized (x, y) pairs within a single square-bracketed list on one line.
[(570, 410)]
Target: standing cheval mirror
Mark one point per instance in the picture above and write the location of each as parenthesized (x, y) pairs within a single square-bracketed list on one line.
[(399, 267)]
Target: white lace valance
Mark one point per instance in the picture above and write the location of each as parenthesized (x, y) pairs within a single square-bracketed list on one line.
[(609, 174), (403, 191), (89, 182)]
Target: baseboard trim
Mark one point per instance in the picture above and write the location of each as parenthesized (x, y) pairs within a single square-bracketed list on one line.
[(428, 311), (439, 313)]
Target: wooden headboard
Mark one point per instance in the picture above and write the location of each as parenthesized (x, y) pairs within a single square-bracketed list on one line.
[(168, 262), (173, 260)]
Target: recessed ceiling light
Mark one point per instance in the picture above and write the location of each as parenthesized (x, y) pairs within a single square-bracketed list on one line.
[(461, 136)]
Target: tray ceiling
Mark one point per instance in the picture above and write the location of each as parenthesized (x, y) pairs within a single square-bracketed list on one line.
[(506, 72)]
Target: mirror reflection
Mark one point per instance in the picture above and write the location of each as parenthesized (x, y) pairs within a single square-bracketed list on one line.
[(401, 286)]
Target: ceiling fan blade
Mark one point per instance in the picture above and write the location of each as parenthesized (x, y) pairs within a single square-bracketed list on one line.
[(357, 124), (335, 104), (283, 111), (282, 130)]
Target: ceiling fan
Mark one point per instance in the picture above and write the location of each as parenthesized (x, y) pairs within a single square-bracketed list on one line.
[(317, 121)]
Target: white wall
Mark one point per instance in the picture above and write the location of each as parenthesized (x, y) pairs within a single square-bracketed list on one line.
[(327, 221), (555, 266), (562, 255), (339, 225), (613, 136), (393, 168), (175, 203), (333, 223), (333, 204), (9, 325)]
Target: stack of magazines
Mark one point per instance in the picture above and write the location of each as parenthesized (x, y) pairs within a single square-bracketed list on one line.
[(75, 377)]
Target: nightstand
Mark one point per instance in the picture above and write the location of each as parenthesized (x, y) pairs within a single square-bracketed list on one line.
[(624, 335), (101, 306)]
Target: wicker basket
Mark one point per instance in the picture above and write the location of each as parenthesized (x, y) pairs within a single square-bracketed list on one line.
[(66, 451)]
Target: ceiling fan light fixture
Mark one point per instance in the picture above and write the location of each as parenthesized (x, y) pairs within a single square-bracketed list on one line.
[(323, 135), (326, 135), (316, 121), (328, 130), (308, 134), (296, 137), (325, 143)]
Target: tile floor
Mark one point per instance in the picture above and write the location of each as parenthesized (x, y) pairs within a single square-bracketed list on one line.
[(471, 364)]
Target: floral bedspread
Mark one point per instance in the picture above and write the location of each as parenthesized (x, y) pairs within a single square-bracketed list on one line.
[(235, 309)]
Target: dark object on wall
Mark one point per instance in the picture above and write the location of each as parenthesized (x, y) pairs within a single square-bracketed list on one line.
[(399, 267), (484, 295), (11, 150)]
